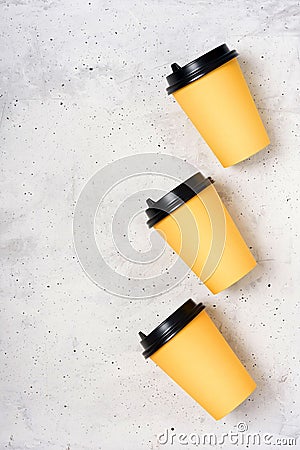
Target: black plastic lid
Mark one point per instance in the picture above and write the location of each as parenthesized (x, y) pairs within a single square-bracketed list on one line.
[(182, 76), (175, 198), (170, 327)]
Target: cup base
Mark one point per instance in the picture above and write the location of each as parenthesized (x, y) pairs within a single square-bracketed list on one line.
[(244, 157), (238, 403), (216, 288)]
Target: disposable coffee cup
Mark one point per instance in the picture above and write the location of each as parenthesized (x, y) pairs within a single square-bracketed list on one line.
[(189, 348), (215, 96), (193, 220)]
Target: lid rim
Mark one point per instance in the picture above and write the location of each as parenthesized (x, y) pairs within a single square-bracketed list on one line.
[(199, 67), (175, 198), (171, 326)]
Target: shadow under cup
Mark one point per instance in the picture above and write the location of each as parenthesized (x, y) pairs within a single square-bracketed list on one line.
[(195, 223), (189, 348), (215, 96)]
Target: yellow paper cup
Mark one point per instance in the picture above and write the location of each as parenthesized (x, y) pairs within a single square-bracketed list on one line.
[(195, 223), (215, 96), (189, 348)]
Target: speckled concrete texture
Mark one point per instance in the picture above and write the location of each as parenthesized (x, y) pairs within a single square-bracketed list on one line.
[(83, 85)]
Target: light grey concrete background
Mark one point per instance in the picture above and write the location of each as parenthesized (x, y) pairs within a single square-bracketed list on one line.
[(82, 85)]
